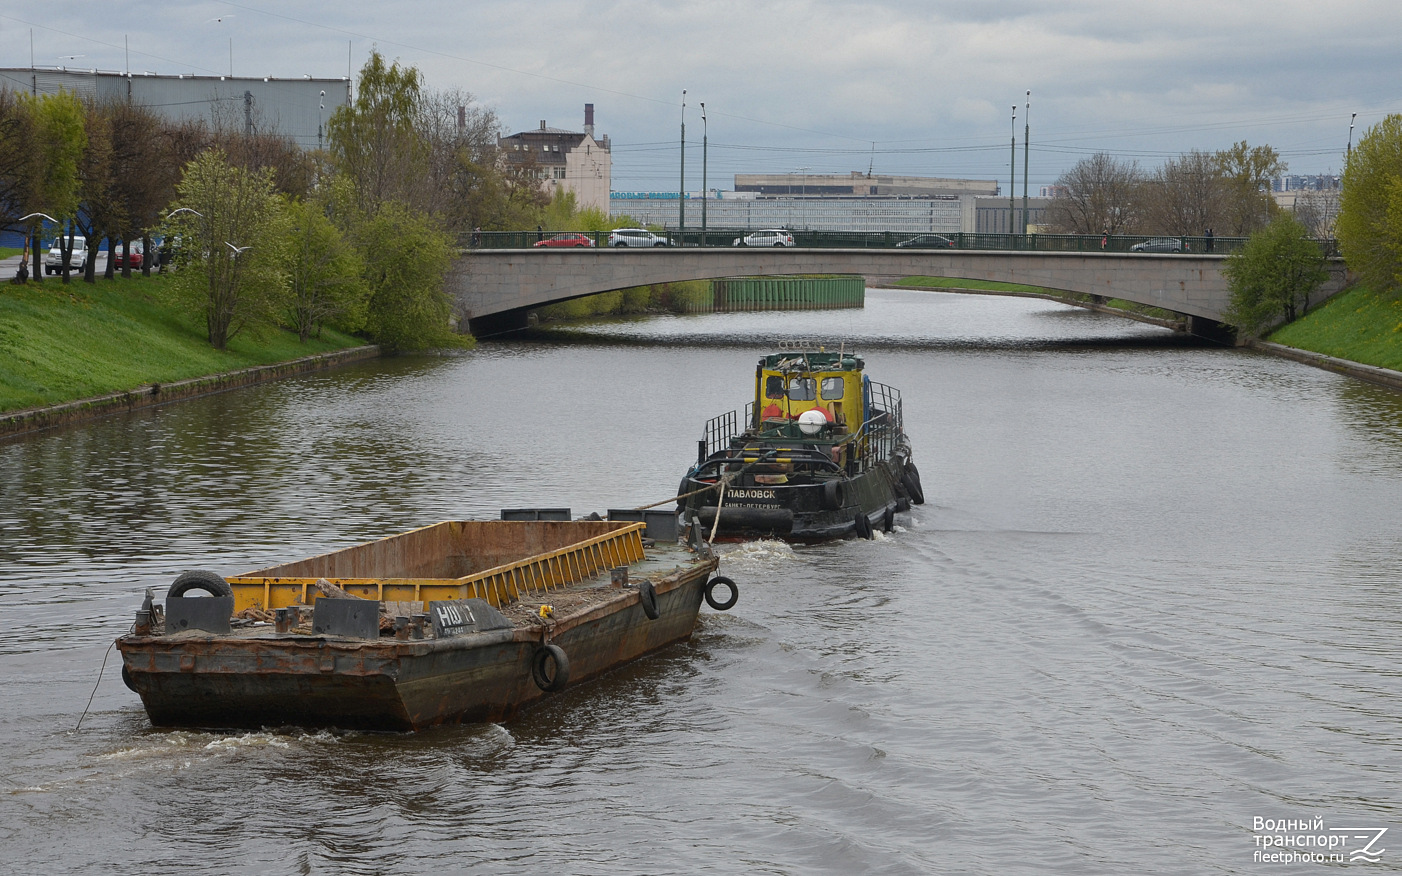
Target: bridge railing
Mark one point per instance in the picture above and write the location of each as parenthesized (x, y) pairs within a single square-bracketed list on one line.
[(725, 237)]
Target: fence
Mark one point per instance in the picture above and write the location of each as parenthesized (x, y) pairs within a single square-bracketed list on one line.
[(714, 237)]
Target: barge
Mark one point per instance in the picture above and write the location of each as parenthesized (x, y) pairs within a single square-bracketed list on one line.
[(820, 453), (461, 621)]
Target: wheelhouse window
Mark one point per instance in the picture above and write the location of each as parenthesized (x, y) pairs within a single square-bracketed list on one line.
[(803, 389), (774, 386), (832, 388)]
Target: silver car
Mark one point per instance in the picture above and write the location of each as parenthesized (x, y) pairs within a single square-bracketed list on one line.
[(766, 237), (1158, 244), (635, 237)]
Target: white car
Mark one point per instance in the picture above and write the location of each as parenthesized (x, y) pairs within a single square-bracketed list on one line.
[(766, 237), (635, 237), (77, 260)]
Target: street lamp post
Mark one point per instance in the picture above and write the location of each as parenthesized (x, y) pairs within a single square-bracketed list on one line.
[(1012, 172), (1026, 136), (703, 173), (320, 110), (23, 273), (681, 188)]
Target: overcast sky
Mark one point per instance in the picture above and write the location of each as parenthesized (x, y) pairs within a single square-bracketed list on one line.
[(809, 86)]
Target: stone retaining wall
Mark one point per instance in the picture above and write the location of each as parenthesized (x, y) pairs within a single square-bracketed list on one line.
[(34, 419)]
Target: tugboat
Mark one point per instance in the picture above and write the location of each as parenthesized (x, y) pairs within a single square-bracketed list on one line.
[(823, 454)]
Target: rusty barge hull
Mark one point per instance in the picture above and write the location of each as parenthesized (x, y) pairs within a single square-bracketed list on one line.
[(253, 678)]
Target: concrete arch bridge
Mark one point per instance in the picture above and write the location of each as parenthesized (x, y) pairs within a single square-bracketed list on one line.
[(496, 288)]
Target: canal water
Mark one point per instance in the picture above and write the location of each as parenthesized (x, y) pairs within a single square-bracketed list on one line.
[(1151, 611)]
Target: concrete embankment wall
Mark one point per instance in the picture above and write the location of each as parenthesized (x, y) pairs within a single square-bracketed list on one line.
[(34, 419), (1370, 373)]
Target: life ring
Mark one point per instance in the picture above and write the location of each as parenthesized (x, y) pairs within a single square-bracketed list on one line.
[(540, 660), (863, 526), (910, 479), (722, 581), (834, 495), (647, 598), (198, 579)]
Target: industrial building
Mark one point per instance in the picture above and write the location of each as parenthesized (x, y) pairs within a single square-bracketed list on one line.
[(565, 160), (834, 202), (294, 108)]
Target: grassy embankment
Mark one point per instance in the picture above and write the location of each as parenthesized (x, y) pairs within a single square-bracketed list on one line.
[(1358, 325), (60, 343), (1016, 288)]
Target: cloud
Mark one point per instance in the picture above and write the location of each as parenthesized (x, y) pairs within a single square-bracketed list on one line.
[(815, 83)]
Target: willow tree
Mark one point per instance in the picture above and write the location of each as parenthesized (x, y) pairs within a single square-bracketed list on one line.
[(376, 141), (230, 226)]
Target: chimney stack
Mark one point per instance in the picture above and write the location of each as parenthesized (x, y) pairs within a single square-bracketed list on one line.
[(589, 119), (542, 124)]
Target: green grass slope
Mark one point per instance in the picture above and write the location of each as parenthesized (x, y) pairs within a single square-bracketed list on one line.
[(1359, 325), (62, 343)]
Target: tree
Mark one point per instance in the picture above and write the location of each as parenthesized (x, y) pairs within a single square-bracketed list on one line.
[(1248, 171), (16, 159), (1317, 210), (1099, 193), (1186, 196), (1369, 227), (462, 153), (1273, 275), (232, 241), (324, 273), (375, 141), (406, 259), (59, 140)]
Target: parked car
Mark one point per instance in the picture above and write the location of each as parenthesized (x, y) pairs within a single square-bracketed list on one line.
[(77, 260), (635, 237), (135, 253), (569, 238), (927, 241), (1158, 244), (766, 237)]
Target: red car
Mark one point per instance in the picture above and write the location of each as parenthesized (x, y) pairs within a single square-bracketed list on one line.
[(572, 238), (135, 253)]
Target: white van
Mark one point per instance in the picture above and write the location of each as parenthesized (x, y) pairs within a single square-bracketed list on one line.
[(53, 264)]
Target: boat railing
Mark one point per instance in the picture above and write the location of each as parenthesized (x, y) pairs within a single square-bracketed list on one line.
[(717, 434), (884, 429)]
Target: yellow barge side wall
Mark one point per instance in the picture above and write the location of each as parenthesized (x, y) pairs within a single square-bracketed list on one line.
[(492, 560)]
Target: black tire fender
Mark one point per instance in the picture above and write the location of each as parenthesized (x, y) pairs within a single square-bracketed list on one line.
[(127, 680), (910, 479), (863, 526), (834, 495), (647, 598), (199, 579), (721, 581), (888, 521), (540, 663)]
